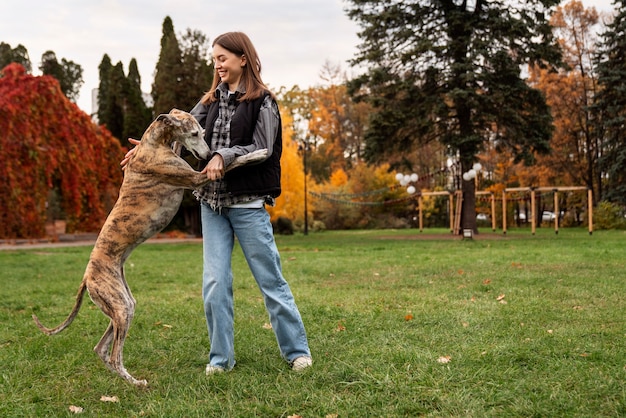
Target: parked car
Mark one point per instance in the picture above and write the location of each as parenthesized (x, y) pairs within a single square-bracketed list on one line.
[(547, 216)]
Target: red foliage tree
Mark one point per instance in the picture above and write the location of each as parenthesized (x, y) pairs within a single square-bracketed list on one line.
[(46, 143)]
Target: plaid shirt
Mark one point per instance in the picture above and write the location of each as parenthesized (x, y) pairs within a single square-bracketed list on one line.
[(216, 193)]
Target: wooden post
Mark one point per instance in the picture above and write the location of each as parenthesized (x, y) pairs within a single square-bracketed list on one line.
[(419, 202), (493, 212), (504, 212), (556, 211), (451, 204), (590, 209), (532, 211)]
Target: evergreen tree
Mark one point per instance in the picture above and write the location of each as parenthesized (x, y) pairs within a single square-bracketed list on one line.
[(117, 105), (183, 74), (168, 82), (449, 70), (196, 68), (68, 73), (19, 54), (137, 115), (610, 106), (105, 102)]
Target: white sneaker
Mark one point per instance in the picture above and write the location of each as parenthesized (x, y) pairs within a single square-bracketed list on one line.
[(211, 369), (301, 363)]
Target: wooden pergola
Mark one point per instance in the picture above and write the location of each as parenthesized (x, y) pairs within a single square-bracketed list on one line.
[(455, 215), (533, 191)]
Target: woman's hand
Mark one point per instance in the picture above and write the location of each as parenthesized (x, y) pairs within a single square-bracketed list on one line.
[(130, 153), (215, 168)]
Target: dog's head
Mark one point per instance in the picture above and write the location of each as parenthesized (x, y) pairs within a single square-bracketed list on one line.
[(185, 130)]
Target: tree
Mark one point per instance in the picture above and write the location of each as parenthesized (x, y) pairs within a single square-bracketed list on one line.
[(610, 106), (105, 97), (290, 204), (575, 28), (19, 55), (166, 89), (137, 115), (336, 125), (49, 144), (449, 70), (196, 68), (183, 73), (68, 73)]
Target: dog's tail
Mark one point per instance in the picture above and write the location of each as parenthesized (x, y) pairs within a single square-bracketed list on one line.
[(69, 319)]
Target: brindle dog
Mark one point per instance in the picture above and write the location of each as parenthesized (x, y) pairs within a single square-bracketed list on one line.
[(152, 190)]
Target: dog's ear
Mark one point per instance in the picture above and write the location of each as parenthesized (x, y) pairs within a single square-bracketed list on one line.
[(164, 117)]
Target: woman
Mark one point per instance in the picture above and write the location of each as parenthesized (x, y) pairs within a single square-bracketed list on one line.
[(240, 115)]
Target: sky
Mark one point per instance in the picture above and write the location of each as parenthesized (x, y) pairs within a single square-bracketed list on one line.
[(294, 38)]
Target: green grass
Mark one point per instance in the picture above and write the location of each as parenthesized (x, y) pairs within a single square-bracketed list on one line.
[(534, 326)]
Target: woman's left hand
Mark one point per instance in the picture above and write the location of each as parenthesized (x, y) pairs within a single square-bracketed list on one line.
[(215, 168)]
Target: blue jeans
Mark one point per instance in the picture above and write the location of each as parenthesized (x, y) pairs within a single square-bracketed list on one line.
[(253, 230)]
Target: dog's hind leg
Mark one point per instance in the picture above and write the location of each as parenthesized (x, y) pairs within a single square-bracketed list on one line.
[(110, 292), (120, 330), (103, 347)]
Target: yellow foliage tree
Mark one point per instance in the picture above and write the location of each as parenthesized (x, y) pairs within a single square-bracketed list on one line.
[(290, 204)]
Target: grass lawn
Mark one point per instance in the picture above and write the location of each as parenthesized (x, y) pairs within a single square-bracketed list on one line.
[(401, 323)]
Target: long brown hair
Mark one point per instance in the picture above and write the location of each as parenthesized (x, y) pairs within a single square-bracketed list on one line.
[(239, 44)]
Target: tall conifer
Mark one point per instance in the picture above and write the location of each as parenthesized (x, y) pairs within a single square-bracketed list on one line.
[(610, 106)]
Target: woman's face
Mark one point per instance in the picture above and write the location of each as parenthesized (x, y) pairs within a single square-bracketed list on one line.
[(229, 66)]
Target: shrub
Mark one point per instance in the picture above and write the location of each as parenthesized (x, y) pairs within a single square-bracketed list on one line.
[(283, 226), (609, 216)]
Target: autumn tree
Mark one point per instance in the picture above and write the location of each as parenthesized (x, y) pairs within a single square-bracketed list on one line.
[(290, 204), (576, 28), (18, 55), (68, 73), (48, 143), (451, 71), (610, 106), (336, 124)]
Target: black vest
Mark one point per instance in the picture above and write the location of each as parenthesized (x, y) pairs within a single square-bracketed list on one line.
[(257, 179)]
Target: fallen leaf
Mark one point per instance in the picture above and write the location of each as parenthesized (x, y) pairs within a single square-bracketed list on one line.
[(294, 416), (486, 281), (267, 326), (291, 259), (444, 359), (340, 327), (167, 326), (460, 271), (500, 297), (584, 355), (105, 398), (76, 409), (465, 324), (331, 416), (550, 331), (408, 317)]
